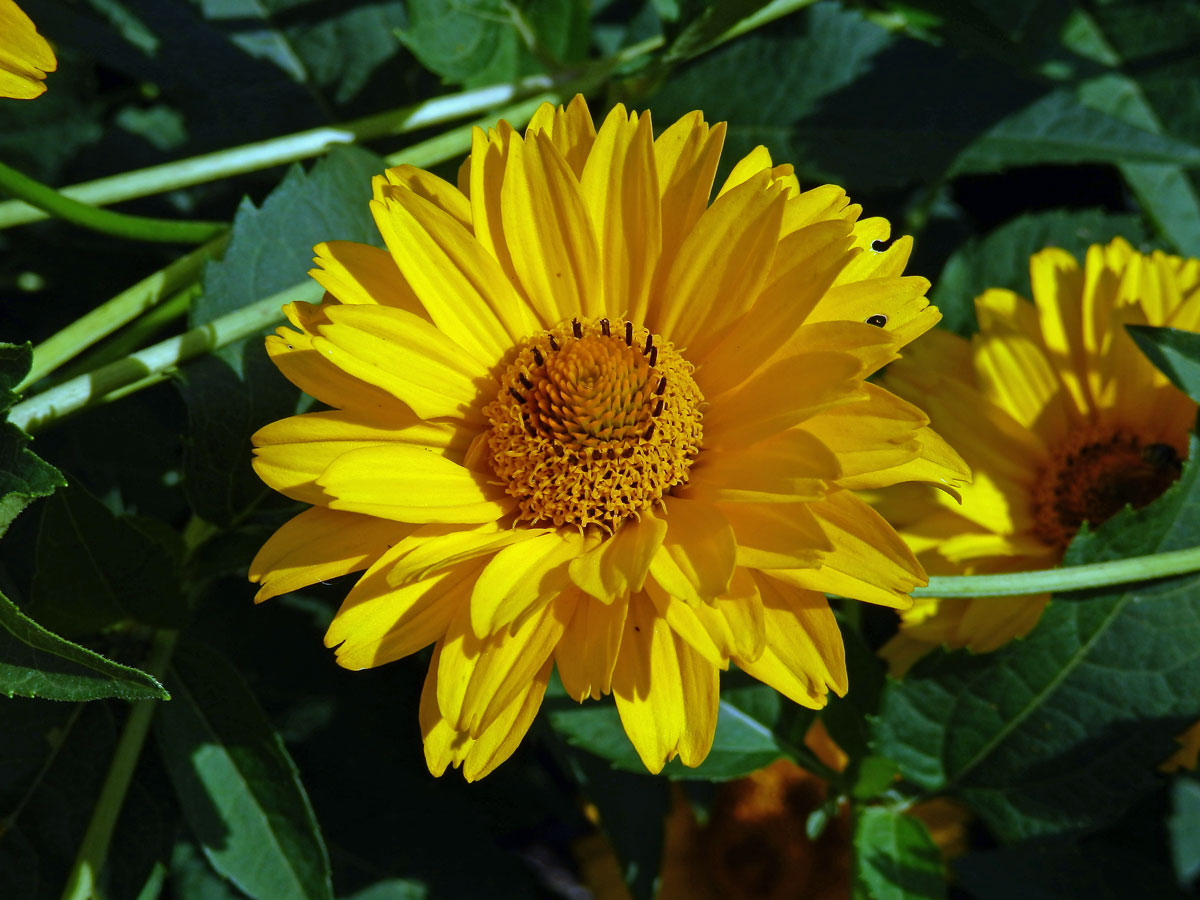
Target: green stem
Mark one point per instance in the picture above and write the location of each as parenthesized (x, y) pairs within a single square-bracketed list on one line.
[(147, 366), (119, 311), (89, 861), (136, 228), (1071, 578)]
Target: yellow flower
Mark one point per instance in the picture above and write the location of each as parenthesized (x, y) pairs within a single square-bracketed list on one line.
[(1062, 419), (583, 418), (25, 57)]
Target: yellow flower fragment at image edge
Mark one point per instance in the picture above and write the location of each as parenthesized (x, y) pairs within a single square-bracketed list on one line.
[(25, 56), (1060, 416), (581, 417)]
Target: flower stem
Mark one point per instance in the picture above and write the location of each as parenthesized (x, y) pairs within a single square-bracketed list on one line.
[(1071, 578), (147, 366), (89, 861), (136, 228), (120, 310)]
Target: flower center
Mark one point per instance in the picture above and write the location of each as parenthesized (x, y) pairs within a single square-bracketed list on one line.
[(595, 421), (1092, 477)]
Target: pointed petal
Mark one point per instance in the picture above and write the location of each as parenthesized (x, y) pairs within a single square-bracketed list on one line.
[(587, 651), (409, 484), (359, 273), (441, 193), (317, 545), (697, 556), (686, 157), (788, 468), (774, 535), (619, 565), (901, 300), (522, 578), (433, 547)]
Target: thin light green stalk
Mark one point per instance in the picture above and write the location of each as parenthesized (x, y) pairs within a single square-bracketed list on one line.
[(89, 861), (278, 151), (135, 228), (1070, 578), (147, 366), (119, 311)]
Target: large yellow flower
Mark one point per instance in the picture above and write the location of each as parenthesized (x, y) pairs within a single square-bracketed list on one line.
[(25, 57), (1062, 419), (582, 417)]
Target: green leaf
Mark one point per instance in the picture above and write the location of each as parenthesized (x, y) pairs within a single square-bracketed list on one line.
[(755, 727), (703, 23), (343, 50), (35, 662), (895, 857), (24, 477), (468, 42), (1001, 258), (1058, 128), (1174, 352), (95, 569), (1183, 826), (1062, 730), (270, 248), (391, 889), (240, 791)]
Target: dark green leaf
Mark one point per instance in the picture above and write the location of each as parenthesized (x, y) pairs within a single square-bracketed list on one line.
[(392, 889), (472, 43), (342, 50), (240, 791), (704, 23), (1001, 259), (1184, 828), (95, 569), (895, 857), (270, 249), (24, 477), (755, 727), (35, 662), (15, 362), (1062, 730), (1174, 352)]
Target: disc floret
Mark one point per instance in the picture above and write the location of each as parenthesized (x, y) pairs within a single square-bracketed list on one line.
[(594, 422)]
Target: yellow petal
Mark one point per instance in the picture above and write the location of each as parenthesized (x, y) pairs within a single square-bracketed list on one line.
[(806, 264), (478, 679), (317, 545), (360, 273), (686, 157), (781, 396), (480, 755), (756, 161), (686, 623), (620, 188), (932, 460), (523, 577), (459, 284), (804, 657), (488, 160), (409, 484), (788, 468), (25, 56), (405, 356), (720, 267), (433, 547), (697, 556), (293, 353), (736, 621), (901, 300), (868, 561), (619, 565), (291, 454), (646, 685), (378, 623), (441, 193), (587, 651), (570, 129), (774, 536), (549, 233)]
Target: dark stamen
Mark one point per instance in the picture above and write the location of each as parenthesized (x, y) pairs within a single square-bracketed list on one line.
[(525, 381), (529, 428), (629, 334), (537, 357), (658, 408), (515, 394), (649, 432), (653, 357), (604, 327), (626, 453), (649, 344), (576, 328), (553, 342), (662, 386)]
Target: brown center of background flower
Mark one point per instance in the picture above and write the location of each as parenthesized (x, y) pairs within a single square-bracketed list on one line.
[(1092, 477), (594, 422)]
